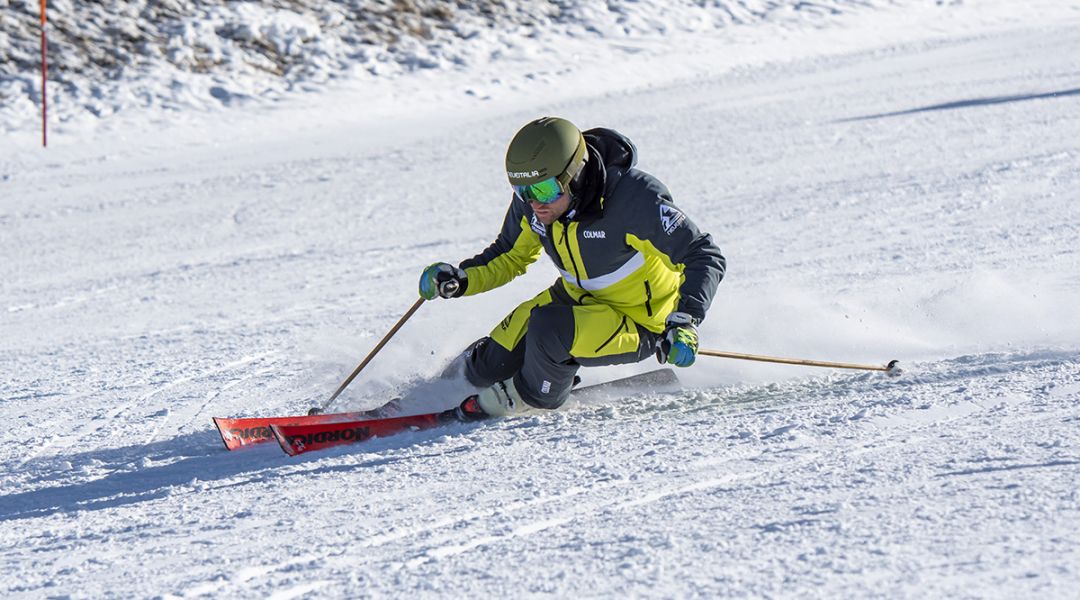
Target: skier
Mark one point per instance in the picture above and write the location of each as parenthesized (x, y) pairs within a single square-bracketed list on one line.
[(637, 276)]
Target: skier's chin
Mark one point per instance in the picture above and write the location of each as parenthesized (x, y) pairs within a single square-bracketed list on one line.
[(546, 217), (550, 212)]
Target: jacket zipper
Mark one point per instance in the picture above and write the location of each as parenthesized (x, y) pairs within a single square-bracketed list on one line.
[(648, 298), (617, 330)]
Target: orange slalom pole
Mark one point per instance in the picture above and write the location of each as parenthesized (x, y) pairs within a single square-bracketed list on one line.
[(44, 79)]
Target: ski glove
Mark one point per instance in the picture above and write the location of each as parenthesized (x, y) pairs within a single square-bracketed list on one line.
[(442, 279), (679, 342)]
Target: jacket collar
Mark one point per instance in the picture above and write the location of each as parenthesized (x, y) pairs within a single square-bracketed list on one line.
[(610, 154)]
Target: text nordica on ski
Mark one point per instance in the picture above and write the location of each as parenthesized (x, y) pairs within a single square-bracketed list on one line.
[(636, 275)]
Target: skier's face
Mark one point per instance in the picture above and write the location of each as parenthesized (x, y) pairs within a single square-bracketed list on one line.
[(550, 212)]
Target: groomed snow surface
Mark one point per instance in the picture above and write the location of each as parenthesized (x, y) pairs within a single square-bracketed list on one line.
[(890, 184)]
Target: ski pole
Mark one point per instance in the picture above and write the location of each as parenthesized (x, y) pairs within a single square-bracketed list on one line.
[(386, 338), (891, 369)]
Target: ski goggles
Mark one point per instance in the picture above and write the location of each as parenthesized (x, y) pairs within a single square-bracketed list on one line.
[(544, 192)]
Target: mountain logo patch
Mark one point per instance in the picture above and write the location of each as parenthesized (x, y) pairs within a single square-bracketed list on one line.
[(670, 218)]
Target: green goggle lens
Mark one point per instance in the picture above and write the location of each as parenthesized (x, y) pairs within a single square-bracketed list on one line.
[(544, 192)]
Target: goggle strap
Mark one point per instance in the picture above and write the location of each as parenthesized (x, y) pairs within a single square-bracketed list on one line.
[(576, 164)]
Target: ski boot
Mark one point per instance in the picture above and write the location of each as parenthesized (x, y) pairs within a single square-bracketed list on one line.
[(499, 400)]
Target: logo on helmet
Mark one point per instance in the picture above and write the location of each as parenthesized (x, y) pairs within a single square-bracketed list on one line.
[(522, 174)]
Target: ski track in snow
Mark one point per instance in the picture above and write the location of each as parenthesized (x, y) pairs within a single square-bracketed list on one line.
[(912, 201), (759, 440)]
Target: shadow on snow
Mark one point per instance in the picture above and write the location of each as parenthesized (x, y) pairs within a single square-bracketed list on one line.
[(967, 104), (194, 459)]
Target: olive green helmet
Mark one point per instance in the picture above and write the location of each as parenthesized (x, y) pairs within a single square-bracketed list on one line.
[(544, 148)]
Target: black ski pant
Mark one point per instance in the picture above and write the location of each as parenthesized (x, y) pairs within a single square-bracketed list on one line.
[(545, 340)]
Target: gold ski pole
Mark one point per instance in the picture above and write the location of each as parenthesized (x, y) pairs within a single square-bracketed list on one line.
[(386, 338), (892, 368)]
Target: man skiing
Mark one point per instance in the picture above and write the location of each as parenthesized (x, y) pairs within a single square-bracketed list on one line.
[(637, 276)]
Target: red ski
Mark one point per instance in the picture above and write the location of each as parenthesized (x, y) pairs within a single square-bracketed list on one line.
[(297, 438), (237, 433)]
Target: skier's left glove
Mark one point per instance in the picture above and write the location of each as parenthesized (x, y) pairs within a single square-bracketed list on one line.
[(679, 344), (442, 279)]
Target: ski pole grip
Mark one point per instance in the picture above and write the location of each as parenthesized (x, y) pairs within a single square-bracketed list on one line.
[(447, 289)]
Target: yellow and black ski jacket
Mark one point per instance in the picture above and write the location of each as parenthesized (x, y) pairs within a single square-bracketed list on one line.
[(623, 243)]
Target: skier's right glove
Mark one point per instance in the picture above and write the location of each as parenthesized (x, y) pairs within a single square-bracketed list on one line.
[(679, 344), (442, 279)]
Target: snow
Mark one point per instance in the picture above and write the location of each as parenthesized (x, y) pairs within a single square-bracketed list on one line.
[(895, 180), (181, 55)]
